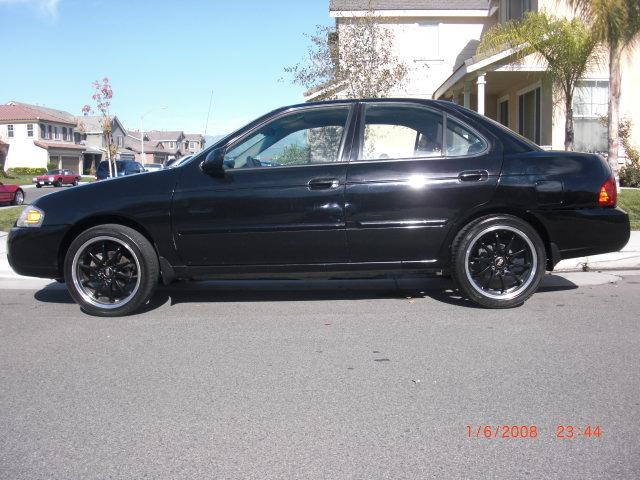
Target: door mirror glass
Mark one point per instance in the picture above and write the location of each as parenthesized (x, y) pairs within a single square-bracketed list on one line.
[(212, 163)]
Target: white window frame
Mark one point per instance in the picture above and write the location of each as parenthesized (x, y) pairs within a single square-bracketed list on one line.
[(30, 130), (10, 131), (501, 100)]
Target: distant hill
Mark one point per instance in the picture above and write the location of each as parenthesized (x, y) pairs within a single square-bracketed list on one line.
[(211, 139)]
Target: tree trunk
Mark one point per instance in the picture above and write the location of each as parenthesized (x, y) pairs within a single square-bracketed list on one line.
[(568, 124), (614, 105)]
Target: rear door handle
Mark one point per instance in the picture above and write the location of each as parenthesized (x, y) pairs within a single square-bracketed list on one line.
[(473, 176), (323, 183)]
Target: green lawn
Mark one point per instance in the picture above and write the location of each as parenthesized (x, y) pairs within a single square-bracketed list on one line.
[(629, 201), (8, 217)]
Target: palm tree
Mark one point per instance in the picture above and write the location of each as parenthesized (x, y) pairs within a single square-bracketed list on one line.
[(566, 45), (615, 23)]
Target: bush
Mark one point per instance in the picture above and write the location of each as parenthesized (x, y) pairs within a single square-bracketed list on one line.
[(630, 175), (26, 171), (52, 166)]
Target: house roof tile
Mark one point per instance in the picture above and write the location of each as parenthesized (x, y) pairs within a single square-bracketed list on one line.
[(348, 5), (59, 145), (21, 112)]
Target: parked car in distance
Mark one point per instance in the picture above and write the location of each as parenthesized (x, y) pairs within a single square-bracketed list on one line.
[(176, 162), (153, 167), (11, 194), (57, 178), (123, 168), (342, 188)]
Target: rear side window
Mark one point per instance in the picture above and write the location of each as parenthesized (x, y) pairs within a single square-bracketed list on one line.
[(461, 141), (401, 132)]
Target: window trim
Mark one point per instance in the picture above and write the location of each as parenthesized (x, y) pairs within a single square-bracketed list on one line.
[(291, 111), (11, 132), (445, 115)]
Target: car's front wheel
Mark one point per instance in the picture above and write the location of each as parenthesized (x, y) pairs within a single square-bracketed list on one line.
[(498, 261), (111, 270)]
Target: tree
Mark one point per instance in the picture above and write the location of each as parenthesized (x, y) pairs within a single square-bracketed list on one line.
[(102, 95), (615, 23), (355, 60), (566, 45)]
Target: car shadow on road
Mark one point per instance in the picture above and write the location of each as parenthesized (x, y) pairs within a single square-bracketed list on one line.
[(440, 289)]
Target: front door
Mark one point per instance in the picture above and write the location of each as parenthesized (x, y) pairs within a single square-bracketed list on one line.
[(416, 171), (280, 200)]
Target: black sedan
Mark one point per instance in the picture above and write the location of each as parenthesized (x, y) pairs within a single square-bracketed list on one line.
[(332, 189)]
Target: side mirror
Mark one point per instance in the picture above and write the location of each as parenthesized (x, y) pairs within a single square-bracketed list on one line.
[(213, 163)]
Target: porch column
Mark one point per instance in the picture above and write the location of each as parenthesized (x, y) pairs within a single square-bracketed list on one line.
[(467, 94), (481, 82)]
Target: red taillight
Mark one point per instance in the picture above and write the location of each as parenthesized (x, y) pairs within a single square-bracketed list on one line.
[(608, 196)]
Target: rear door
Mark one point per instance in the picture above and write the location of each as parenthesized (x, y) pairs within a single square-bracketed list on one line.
[(280, 200), (414, 171)]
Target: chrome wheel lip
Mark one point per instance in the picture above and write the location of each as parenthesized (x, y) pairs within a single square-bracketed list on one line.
[(532, 271), (81, 289)]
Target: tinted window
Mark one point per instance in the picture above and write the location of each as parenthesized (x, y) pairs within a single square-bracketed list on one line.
[(461, 141), (302, 138), (400, 131)]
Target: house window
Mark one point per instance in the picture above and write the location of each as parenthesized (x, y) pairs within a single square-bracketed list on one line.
[(64, 133), (192, 145), (29, 129), (10, 131), (516, 9), (589, 107), (120, 141), (49, 132), (43, 131), (503, 112), (56, 131), (172, 144), (529, 115)]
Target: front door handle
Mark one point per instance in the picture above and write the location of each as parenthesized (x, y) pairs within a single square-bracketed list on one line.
[(323, 183), (473, 176)]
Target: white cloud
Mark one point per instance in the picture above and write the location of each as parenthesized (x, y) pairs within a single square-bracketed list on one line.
[(46, 8)]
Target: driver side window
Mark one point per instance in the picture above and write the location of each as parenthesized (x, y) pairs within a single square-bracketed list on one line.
[(303, 138)]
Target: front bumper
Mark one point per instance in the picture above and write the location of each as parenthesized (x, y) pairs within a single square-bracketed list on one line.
[(35, 252)]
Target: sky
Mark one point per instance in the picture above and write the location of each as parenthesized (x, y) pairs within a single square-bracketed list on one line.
[(158, 53)]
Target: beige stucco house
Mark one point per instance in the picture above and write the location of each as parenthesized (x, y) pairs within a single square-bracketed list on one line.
[(437, 40), (35, 136)]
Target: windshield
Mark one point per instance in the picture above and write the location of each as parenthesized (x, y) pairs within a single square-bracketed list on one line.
[(104, 166), (53, 172)]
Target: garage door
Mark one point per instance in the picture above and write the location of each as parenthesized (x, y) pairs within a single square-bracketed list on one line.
[(70, 163)]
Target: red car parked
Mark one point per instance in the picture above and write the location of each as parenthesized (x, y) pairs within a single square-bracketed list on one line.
[(57, 178), (12, 194)]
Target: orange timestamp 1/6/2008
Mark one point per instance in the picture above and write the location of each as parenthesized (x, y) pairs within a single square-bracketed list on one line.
[(532, 431)]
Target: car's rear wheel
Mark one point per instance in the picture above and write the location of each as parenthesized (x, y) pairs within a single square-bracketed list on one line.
[(498, 261), (57, 183), (18, 199), (111, 270)]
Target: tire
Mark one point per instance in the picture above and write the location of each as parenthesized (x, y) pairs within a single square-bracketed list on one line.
[(75, 183), (38, 185), (57, 183), (119, 285), (18, 199), (498, 261)]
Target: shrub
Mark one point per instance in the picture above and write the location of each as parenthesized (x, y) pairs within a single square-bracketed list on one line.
[(630, 175), (52, 166), (26, 171)]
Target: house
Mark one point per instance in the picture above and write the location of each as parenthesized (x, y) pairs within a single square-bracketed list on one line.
[(38, 136), (438, 39), (154, 151), (160, 145), (92, 136)]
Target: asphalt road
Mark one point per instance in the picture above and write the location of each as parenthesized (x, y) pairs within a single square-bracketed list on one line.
[(346, 383)]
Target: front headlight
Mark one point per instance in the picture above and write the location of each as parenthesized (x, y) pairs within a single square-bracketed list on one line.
[(51, 179), (30, 217)]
